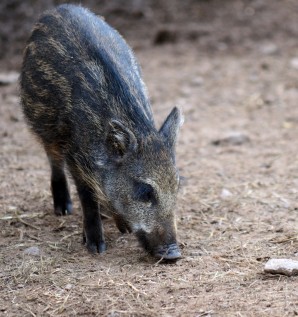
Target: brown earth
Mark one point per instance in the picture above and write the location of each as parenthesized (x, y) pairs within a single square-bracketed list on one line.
[(232, 67)]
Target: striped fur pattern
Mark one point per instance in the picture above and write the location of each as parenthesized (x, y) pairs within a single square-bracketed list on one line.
[(83, 96)]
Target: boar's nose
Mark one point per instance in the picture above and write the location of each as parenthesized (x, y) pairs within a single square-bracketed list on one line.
[(168, 252)]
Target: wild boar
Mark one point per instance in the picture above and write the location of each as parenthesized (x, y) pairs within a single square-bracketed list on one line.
[(82, 94)]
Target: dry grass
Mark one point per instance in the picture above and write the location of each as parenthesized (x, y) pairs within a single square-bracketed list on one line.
[(225, 238)]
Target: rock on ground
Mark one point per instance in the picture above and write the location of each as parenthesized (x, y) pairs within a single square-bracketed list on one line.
[(233, 138), (35, 251), (282, 266)]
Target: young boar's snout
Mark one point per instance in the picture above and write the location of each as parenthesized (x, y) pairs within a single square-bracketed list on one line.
[(168, 252), (161, 243)]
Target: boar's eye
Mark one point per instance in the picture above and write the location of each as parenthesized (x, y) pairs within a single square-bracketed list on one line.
[(144, 192)]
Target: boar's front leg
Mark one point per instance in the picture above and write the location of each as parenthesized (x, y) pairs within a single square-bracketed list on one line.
[(93, 235), (60, 192)]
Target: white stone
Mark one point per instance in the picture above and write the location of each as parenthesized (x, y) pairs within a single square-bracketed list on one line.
[(35, 251), (269, 48), (282, 266), (68, 286), (197, 81), (233, 138), (225, 194), (294, 63), (9, 78)]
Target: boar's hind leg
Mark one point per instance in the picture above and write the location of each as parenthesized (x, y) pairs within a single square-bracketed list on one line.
[(60, 192), (93, 235)]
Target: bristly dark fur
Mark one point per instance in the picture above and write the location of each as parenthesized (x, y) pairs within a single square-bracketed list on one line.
[(83, 96)]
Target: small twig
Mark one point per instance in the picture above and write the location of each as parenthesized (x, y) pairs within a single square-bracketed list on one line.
[(160, 260), (206, 313), (61, 308), (46, 308), (135, 289), (53, 246), (27, 224), (70, 235), (29, 311), (26, 215), (33, 237), (282, 240)]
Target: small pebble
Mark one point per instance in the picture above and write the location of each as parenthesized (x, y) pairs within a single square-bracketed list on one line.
[(282, 266), (186, 91), (195, 253), (197, 81), (8, 78), (294, 63), (234, 138), (11, 208), (68, 286), (268, 49), (225, 194), (35, 251)]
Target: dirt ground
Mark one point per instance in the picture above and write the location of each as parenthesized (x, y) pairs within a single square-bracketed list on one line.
[(232, 66)]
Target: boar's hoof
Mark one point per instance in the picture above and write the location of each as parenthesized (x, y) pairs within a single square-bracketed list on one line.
[(63, 210), (96, 247), (168, 252)]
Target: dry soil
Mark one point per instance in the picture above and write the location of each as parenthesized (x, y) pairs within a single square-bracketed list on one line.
[(232, 66)]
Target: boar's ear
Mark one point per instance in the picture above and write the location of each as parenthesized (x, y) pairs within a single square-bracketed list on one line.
[(120, 140), (170, 128)]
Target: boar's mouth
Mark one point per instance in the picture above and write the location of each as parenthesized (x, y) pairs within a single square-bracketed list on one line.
[(166, 251)]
